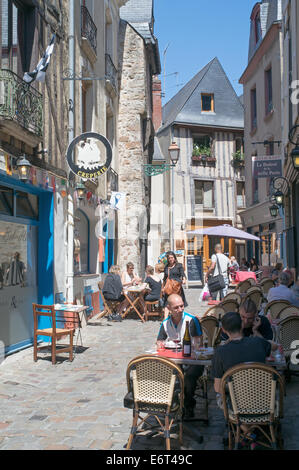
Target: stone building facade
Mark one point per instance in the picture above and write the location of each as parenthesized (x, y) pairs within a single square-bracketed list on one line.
[(138, 62)]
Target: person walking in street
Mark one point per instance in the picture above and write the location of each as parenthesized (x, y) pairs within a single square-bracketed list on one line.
[(174, 271), (219, 266)]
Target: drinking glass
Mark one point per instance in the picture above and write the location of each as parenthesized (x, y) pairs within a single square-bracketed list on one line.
[(176, 339)]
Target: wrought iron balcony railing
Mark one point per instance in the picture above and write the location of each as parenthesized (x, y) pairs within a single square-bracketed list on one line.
[(20, 102), (110, 71), (88, 28)]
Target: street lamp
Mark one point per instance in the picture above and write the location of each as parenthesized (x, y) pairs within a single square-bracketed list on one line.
[(273, 211), (80, 188), (23, 166), (174, 152), (278, 196), (295, 151)]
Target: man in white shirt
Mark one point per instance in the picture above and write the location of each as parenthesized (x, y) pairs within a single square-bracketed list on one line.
[(213, 270), (282, 291)]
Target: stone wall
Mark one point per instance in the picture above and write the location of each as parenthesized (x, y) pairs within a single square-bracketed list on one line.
[(132, 109)]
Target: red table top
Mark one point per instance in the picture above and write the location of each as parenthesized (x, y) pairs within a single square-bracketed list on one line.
[(170, 353), (243, 275)]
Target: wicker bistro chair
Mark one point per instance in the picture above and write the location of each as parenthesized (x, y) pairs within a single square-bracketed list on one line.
[(275, 307), (256, 296), (233, 296), (288, 312), (287, 332), (252, 281), (266, 285), (157, 385), (243, 286), (211, 328), (214, 311), (229, 305), (253, 389)]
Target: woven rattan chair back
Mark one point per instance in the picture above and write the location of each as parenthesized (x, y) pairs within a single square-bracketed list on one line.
[(256, 297), (254, 289), (233, 296), (229, 305), (288, 312), (243, 286), (266, 285), (215, 311), (252, 281), (275, 307), (288, 332), (211, 328), (153, 381), (252, 389)]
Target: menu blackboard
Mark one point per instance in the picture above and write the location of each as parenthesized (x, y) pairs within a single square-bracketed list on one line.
[(194, 269)]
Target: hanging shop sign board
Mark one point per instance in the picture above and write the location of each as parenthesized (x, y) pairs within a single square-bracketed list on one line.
[(89, 155), (267, 166)]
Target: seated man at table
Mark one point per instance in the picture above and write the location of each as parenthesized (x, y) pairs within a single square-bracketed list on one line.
[(282, 291), (238, 349), (252, 323), (112, 290), (176, 322)]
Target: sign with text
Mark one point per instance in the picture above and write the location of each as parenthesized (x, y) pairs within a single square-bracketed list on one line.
[(194, 269), (266, 166)]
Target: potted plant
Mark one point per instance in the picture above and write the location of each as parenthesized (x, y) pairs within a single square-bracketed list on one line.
[(238, 159)]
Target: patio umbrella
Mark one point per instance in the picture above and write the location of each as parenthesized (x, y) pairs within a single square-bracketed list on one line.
[(224, 231)]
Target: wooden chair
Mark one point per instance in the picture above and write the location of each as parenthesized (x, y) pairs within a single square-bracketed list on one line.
[(252, 389), (152, 309), (229, 305), (110, 306), (233, 296), (287, 332), (275, 307), (243, 286), (211, 327), (53, 332), (214, 311), (288, 312), (156, 388), (256, 296)]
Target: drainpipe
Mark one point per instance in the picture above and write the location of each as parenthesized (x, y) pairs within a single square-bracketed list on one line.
[(70, 203)]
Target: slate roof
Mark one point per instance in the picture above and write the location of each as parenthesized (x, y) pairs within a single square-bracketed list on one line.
[(185, 106), (139, 14), (270, 11)]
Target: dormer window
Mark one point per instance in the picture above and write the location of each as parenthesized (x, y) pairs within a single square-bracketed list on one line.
[(256, 20), (207, 102)]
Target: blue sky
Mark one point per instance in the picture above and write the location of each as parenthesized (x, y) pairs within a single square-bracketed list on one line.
[(197, 31)]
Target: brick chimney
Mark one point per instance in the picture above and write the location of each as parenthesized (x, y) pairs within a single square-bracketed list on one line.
[(157, 103)]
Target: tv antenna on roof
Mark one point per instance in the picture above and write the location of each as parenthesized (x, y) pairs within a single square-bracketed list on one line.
[(164, 60)]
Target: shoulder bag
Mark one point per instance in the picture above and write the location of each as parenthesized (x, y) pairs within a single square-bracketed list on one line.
[(172, 286), (216, 283)]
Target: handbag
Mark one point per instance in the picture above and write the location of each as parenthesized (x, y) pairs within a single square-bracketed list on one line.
[(172, 286), (216, 283)]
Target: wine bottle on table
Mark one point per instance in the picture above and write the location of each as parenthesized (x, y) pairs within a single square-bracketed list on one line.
[(187, 342)]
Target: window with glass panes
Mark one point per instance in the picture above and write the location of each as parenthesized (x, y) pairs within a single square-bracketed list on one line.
[(207, 102), (204, 193)]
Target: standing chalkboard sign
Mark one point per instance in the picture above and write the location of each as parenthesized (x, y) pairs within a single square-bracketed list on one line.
[(194, 269)]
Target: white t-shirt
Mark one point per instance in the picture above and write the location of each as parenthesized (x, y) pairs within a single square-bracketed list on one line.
[(224, 262)]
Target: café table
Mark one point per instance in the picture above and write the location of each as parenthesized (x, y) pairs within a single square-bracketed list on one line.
[(136, 292), (73, 320)]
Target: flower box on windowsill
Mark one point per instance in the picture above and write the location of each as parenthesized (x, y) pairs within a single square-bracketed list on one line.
[(238, 163), (203, 159)]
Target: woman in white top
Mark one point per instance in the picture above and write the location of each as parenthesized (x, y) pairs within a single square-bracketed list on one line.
[(128, 277)]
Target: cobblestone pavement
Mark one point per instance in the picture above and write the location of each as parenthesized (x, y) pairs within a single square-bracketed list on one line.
[(79, 404)]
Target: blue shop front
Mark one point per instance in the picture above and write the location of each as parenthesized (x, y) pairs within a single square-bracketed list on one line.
[(26, 256)]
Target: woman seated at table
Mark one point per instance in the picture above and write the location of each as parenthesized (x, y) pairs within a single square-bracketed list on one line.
[(112, 288), (276, 272), (128, 277), (155, 284)]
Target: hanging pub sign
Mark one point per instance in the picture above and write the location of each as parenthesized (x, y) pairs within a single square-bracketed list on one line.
[(89, 155), (268, 166)]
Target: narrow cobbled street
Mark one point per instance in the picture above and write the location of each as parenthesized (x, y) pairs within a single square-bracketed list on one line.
[(79, 405)]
